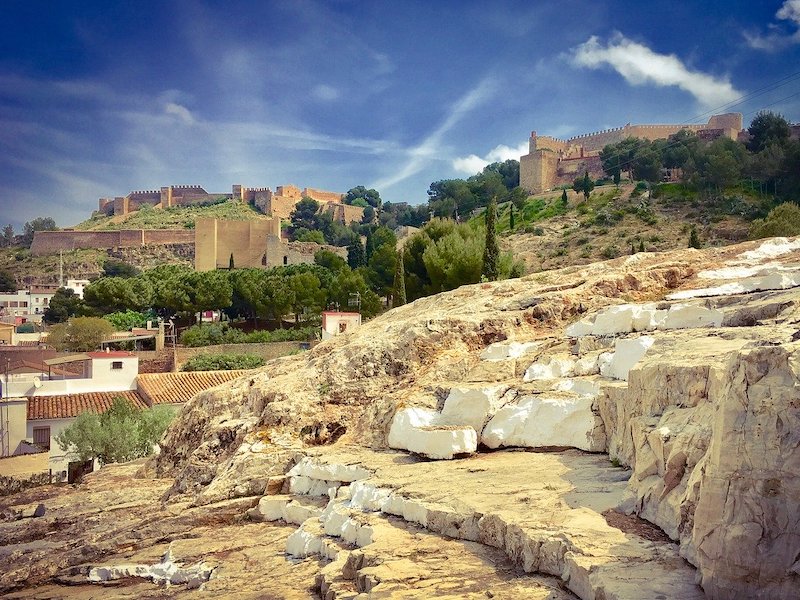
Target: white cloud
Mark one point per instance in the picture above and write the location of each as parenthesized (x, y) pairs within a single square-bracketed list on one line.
[(183, 113), (789, 11), (639, 65), (473, 164), (325, 93), (428, 150)]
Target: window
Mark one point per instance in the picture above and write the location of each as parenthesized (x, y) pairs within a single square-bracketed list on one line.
[(117, 364), (41, 436)]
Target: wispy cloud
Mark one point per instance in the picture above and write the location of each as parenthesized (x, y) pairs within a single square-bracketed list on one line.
[(640, 65), (326, 93), (778, 38), (473, 163), (429, 149), (181, 112)]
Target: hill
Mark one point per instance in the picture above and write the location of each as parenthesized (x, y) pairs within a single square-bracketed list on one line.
[(618, 220), (174, 217)]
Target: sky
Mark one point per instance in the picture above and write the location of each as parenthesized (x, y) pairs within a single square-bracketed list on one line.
[(101, 98)]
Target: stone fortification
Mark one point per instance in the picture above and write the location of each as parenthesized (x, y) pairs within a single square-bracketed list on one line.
[(279, 203), (50, 242), (251, 243), (551, 161)]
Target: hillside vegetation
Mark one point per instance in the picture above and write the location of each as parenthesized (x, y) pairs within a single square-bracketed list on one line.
[(174, 217)]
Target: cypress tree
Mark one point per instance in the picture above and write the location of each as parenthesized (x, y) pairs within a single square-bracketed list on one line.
[(399, 287), (564, 201), (694, 239), (511, 217), (355, 254), (230, 263), (641, 246), (491, 254)]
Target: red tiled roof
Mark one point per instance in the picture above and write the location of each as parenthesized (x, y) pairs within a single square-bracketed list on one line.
[(71, 405), (171, 388)]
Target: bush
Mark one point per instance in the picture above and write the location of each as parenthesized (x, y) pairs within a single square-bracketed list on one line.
[(611, 252), (221, 333), (125, 321), (223, 362), (783, 220)]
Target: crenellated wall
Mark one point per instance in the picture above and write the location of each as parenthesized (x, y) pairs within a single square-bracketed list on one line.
[(580, 153)]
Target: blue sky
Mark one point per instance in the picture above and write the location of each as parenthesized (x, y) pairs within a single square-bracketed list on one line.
[(100, 98)]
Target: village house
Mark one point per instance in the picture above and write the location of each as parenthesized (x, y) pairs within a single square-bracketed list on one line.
[(40, 400)]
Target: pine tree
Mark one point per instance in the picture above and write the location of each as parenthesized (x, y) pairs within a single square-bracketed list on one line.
[(491, 254), (355, 254), (511, 216), (641, 246), (694, 239), (399, 287)]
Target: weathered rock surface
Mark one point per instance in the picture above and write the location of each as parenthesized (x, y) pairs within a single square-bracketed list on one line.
[(682, 367)]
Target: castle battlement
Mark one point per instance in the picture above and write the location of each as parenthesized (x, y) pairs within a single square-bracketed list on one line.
[(142, 192), (551, 161)]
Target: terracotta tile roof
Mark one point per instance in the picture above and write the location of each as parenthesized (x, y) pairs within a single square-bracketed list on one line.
[(170, 388), (71, 405)]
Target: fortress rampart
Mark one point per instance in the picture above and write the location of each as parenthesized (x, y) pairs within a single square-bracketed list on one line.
[(50, 242), (551, 161), (279, 203)]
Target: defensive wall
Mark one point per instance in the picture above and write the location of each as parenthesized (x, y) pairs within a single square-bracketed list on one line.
[(253, 244), (50, 242), (279, 203), (551, 161)]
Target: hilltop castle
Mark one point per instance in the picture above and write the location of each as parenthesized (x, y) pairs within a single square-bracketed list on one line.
[(277, 204), (551, 162)]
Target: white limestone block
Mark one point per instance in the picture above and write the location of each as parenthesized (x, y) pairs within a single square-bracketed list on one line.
[(406, 419), (626, 354), (410, 509), (649, 318), (442, 443), (302, 544), (507, 350), (309, 467), (549, 368), (615, 319), (579, 328), (582, 387), (306, 486), (686, 316), (770, 249), (536, 422), (366, 535), (586, 366), (365, 496), (471, 407), (775, 280), (297, 513), (271, 507), (334, 519)]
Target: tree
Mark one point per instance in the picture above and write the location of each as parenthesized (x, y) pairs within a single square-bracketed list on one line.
[(371, 197), (307, 294), (564, 199), (783, 220), (209, 290), (380, 269), (117, 268), (7, 282), (80, 334), (399, 284), (346, 285), (64, 304), (171, 288), (127, 320), (694, 239), (304, 214), (223, 362), (767, 128), (369, 215), (511, 216), (329, 260), (306, 235), (583, 184), (491, 252), (124, 432), (113, 294), (8, 236), (37, 224), (356, 256), (231, 265)]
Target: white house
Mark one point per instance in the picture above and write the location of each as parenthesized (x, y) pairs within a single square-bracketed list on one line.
[(334, 323)]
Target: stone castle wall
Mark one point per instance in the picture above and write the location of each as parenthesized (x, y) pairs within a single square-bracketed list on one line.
[(50, 242), (580, 153)]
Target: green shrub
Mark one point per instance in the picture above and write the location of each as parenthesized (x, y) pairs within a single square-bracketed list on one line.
[(223, 362), (783, 220), (221, 333), (611, 251)]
